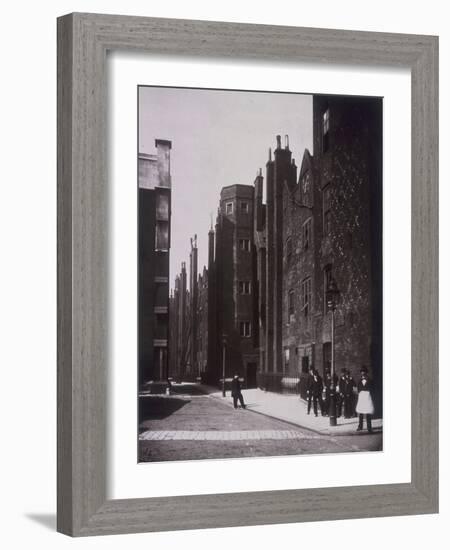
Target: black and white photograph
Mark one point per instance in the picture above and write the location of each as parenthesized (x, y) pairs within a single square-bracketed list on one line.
[(260, 274)]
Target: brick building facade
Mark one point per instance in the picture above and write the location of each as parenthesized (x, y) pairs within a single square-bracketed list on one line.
[(231, 289)]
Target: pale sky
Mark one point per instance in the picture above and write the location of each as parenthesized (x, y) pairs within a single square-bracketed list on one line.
[(219, 138)]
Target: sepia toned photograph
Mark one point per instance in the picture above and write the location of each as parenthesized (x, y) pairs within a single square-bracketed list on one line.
[(260, 274)]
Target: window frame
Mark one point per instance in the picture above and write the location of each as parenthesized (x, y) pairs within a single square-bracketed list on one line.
[(326, 209), (158, 226), (291, 305), (243, 325), (245, 204), (242, 246), (243, 286), (307, 229), (306, 289)]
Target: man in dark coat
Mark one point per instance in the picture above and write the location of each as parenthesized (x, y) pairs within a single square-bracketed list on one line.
[(340, 392), (314, 391), (236, 393), (309, 382), (348, 395), (326, 393)]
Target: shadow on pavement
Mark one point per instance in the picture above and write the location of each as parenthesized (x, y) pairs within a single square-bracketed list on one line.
[(186, 389), (154, 407)]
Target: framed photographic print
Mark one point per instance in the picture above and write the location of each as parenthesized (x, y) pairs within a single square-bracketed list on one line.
[(247, 274)]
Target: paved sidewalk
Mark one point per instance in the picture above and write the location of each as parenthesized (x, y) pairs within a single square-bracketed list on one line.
[(291, 408), (223, 435)]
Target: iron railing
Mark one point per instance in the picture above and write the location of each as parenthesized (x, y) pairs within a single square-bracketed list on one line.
[(282, 383)]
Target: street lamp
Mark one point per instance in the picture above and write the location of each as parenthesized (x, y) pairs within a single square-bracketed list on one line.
[(332, 296), (224, 343)]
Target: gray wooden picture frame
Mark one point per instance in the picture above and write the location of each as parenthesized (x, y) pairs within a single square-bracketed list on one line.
[(83, 41)]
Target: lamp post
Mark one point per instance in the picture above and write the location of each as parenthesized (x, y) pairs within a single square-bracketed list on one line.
[(224, 343), (332, 295)]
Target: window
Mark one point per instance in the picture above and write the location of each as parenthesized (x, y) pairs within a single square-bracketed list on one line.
[(245, 329), (306, 188), (327, 210), (162, 207), (229, 208), (288, 250), (291, 306), (306, 297), (162, 236), (244, 244), (244, 287), (327, 276), (325, 131), (306, 234), (244, 207)]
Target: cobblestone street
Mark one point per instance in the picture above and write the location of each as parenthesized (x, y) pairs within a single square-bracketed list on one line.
[(193, 425)]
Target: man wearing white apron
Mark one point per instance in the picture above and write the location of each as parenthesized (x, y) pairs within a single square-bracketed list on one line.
[(364, 405)]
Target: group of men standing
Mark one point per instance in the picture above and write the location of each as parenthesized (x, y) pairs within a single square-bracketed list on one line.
[(318, 393), (351, 399)]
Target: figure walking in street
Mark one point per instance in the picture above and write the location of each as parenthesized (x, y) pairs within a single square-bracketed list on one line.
[(314, 392), (364, 405), (236, 393)]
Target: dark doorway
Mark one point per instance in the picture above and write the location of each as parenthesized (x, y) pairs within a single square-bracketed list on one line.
[(251, 375), (305, 364)]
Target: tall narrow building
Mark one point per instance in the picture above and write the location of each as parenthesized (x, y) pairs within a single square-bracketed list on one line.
[(281, 173), (153, 251), (232, 294), (192, 368), (212, 343)]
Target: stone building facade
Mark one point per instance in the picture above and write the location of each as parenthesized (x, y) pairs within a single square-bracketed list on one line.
[(325, 224), (300, 258), (348, 157), (153, 252)]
